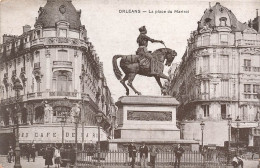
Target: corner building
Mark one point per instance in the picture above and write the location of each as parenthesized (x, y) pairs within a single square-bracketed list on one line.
[(59, 70), (219, 77)]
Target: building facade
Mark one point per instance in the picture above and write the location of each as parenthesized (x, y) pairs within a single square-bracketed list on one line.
[(61, 76), (218, 78)]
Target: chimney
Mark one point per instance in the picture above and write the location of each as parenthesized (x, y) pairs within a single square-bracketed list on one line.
[(256, 12), (26, 28)]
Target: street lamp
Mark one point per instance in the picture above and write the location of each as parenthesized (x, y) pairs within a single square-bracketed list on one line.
[(17, 87), (76, 120), (229, 133), (238, 124), (202, 125), (182, 129), (63, 122), (99, 118)]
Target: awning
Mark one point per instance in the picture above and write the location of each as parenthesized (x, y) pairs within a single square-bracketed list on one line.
[(6, 130), (244, 125)]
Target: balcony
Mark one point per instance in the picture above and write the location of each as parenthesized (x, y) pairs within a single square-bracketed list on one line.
[(62, 63), (11, 100), (59, 41), (34, 95), (243, 42), (251, 69), (69, 94)]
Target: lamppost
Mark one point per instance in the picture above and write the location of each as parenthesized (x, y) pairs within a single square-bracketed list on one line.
[(63, 122), (99, 118), (182, 124), (229, 135), (17, 87), (238, 124), (76, 120), (202, 125)]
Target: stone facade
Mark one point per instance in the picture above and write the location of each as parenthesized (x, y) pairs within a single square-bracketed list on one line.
[(219, 77), (56, 65)]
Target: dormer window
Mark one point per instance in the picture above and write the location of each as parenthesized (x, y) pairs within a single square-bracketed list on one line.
[(207, 22), (223, 21)]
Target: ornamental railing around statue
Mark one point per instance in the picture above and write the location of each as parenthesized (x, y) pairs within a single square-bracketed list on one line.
[(166, 158)]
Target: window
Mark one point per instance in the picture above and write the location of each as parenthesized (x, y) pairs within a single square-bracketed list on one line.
[(247, 65), (63, 32), (38, 33), (49, 33), (62, 81), (205, 110), (62, 55), (38, 86), (223, 21), (247, 88), (206, 64), (224, 62), (224, 88), (256, 88), (223, 111), (37, 56), (223, 39)]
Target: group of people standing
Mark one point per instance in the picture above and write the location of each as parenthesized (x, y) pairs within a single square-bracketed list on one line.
[(143, 150), (49, 154)]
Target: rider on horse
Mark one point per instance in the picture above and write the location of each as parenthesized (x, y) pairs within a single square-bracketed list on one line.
[(142, 40)]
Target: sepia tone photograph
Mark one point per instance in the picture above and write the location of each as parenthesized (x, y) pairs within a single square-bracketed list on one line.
[(129, 84)]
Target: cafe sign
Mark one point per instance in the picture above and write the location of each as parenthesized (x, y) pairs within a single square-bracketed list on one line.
[(53, 134)]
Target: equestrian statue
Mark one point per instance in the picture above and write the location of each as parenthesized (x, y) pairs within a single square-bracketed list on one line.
[(144, 62)]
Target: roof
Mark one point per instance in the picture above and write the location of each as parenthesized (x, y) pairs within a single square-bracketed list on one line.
[(148, 100), (58, 10), (213, 15)]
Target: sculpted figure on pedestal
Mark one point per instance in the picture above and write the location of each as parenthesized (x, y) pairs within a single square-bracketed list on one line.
[(144, 63)]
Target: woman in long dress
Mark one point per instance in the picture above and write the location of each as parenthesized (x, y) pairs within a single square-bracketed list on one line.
[(48, 157)]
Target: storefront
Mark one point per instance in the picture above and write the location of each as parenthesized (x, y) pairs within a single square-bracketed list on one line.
[(41, 135)]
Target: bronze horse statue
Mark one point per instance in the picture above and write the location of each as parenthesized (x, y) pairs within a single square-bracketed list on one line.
[(131, 66)]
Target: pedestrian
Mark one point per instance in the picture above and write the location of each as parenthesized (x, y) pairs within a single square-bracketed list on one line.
[(178, 154), (237, 161), (57, 157), (153, 155), (132, 153), (143, 155), (10, 154), (48, 156), (32, 152), (27, 151)]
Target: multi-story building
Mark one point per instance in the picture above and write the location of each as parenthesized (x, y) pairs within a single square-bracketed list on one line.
[(61, 75), (219, 77)]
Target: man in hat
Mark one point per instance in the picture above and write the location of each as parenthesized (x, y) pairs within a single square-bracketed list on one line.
[(142, 40), (132, 153)]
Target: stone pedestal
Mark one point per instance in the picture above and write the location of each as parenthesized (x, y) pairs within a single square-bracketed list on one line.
[(149, 119)]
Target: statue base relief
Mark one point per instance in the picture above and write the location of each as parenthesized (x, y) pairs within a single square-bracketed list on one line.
[(149, 119)]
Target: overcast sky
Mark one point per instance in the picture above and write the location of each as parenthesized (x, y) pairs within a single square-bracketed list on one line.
[(113, 32)]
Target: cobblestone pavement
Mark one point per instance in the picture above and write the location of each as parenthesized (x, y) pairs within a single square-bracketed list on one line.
[(39, 163)]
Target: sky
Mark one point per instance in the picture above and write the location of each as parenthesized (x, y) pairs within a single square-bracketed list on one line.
[(113, 32)]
